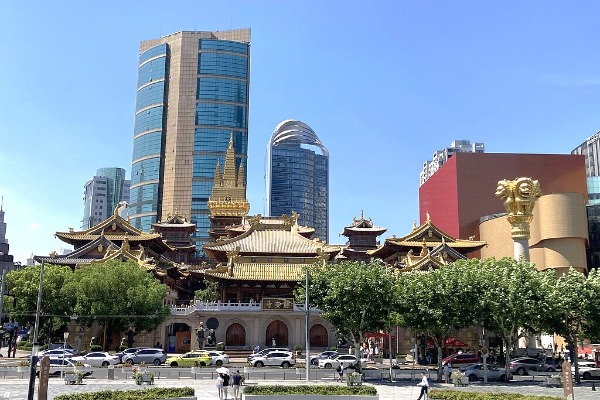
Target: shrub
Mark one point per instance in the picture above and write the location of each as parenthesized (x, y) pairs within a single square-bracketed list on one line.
[(439, 394), (220, 346), (298, 347), (145, 394), (95, 347), (311, 390)]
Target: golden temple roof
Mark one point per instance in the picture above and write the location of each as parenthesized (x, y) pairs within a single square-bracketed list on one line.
[(282, 272), (270, 236)]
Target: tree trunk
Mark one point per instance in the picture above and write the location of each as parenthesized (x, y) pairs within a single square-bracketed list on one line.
[(509, 345), (439, 363)]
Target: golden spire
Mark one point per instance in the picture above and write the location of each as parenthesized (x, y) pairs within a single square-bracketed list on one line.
[(217, 175), (229, 175)]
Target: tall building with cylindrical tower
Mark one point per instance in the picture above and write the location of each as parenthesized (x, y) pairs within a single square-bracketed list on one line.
[(297, 176), (192, 96)]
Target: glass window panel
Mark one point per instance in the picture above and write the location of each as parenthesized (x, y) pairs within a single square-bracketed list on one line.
[(160, 49), (148, 120), (221, 115), (151, 94)]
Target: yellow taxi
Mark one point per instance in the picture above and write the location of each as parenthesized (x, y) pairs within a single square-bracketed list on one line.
[(196, 358)]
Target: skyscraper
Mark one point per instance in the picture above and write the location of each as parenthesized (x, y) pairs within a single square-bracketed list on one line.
[(297, 176), (192, 95), (590, 149), (102, 194), (441, 156)]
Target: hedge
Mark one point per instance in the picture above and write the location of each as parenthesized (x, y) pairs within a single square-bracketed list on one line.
[(311, 390), (144, 394), (439, 394)]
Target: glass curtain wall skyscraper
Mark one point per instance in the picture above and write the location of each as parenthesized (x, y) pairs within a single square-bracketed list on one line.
[(297, 176), (192, 95)]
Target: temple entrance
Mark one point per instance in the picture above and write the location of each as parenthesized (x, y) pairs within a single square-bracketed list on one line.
[(179, 338), (276, 330), (235, 336), (318, 336)]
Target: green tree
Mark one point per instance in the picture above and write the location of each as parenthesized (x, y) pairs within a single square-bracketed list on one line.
[(355, 297), (210, 292), (118, 295), (514, 299), (56, 305), (436, 302), (573, 311)]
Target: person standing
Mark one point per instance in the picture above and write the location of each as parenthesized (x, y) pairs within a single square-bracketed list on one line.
[(424, 384), (273, 343), (340, 371), (448, 372), (220, 386), (237, 381)]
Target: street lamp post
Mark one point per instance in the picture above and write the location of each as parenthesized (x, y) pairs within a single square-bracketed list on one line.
[(306, 332), (36, 328), (65, 336)]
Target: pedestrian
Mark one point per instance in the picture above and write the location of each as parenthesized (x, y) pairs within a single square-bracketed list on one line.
[(448, 372), (273, 343), (340, 371), (220, 386), (237, 381), (424, 384), (225, 385)]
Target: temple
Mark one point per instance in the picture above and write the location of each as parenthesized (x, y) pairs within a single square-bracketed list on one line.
[(425, 247), (362, 237)]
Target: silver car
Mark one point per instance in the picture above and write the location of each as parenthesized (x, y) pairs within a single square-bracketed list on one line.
[(475, 372), (148, 356)]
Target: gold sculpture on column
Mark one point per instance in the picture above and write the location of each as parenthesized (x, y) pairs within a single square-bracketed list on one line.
[(519, 197)]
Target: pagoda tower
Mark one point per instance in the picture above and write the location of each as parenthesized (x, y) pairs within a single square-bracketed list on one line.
[(227, 204)]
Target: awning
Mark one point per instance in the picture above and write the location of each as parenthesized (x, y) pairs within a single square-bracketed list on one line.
[(584, 350)]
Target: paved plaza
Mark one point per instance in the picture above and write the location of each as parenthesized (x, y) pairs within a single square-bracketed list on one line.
[(16, 389)]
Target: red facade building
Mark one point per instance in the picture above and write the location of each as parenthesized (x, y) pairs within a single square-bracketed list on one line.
[(463, 189)]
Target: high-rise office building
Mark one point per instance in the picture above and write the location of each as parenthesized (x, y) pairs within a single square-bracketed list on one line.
[(441, 156), (590, 149), (6, 260), (297, 176), (102, 194), (192, 95)]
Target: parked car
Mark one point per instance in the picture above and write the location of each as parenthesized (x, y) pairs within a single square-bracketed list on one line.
[(461, 359), (63, 364), (218, 358), (276, 358), (149, 356), (130, 350), (190, 359), (522, 365), (347, 360), (264, 352), (58, 353), (55, 346), (475, 372), (314, 360), (97, 359), (587, 370)]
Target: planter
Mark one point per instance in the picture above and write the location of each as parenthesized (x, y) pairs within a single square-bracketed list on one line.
[(354, 379), (73, 378), (307, 397), (553, 381), (144, 377)]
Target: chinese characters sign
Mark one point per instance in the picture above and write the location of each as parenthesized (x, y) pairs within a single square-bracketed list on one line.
[(271, 303)]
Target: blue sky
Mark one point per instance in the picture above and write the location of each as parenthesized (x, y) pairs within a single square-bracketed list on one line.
[(383, 83)]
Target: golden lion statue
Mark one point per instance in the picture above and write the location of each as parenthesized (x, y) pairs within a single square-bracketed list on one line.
[(519, 195)]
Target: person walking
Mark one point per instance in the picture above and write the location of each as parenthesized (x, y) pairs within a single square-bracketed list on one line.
[(237, 381), (448, 372), (424, 384), (340, 371), (225, 385), (220, 386)]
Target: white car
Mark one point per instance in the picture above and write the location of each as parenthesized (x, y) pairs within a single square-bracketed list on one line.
[(59, 364), (218, 358), (587, 370), (277, 358), (347, 360), (97, 359)]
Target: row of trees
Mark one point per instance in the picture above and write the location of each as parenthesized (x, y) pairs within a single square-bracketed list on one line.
[(510, 298), (116, 295)]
